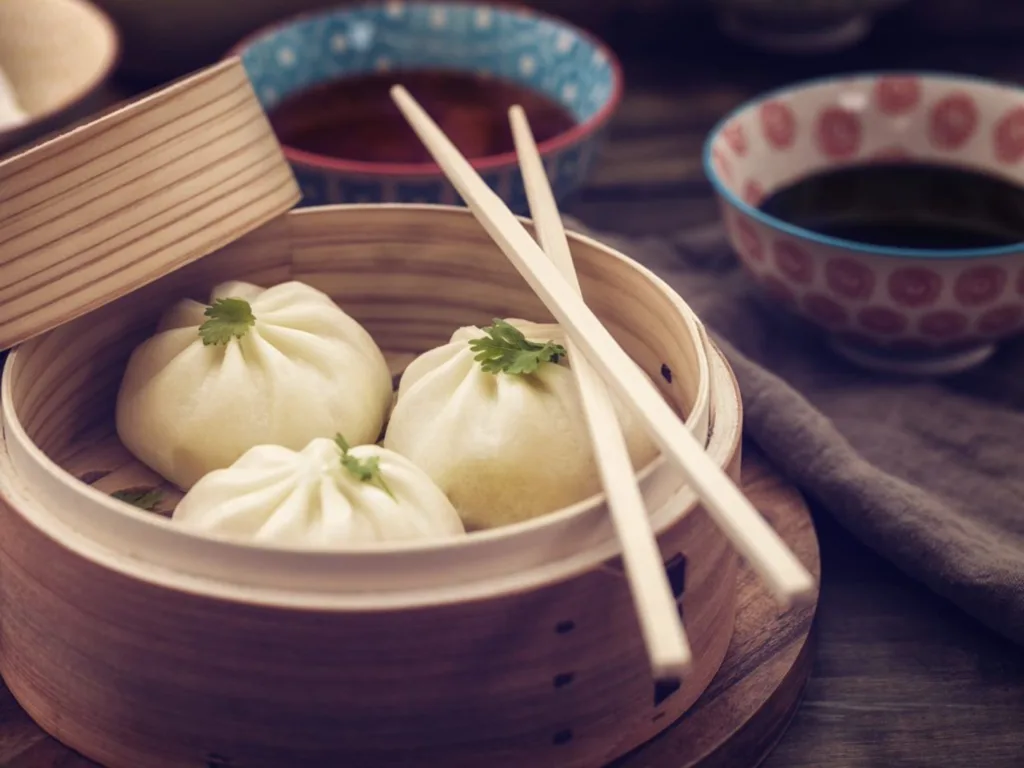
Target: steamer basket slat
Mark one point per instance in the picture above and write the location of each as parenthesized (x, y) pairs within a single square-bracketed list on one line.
[(139, 644), (119, 201)]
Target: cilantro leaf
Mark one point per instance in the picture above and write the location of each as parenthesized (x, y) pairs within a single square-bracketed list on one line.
[(229, 319), (143, 498), (364, 470), (504, 349)]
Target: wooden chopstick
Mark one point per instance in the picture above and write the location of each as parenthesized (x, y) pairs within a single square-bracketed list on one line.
[(661, 626), (787, 578)]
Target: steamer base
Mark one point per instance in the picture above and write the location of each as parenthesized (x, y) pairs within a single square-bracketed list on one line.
[(735, 724), (749, 705), (143, 647)]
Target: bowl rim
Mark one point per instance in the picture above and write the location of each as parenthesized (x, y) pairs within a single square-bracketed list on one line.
[(548, 147), (15, 433), (853, 246), (115, 49)]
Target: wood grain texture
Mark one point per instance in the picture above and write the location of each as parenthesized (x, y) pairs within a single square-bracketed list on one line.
[(122, 200), (749, 704), (758, 685), (901, 678), (120, 641), (433, 286)]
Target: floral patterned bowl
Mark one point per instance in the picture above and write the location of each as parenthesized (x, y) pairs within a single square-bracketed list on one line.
[(519, 45), (896, 309)]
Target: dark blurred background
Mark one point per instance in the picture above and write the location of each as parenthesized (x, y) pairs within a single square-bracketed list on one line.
[(685, 63), (167, 38)]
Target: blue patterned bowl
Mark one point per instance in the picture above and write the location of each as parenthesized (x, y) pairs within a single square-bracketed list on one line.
[(518, 45)]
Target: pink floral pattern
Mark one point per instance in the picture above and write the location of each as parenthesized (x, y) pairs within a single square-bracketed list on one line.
[(722, 164), (735, 138), (753, 192), (979, 285), (897, 95), (778, 124), (943, 324), (1000, 320), (953, 121), (838, 133), (914, 286), (793, 261), (849, 278), (906, 304), (1009, 136), (891, 154), (750, 243)]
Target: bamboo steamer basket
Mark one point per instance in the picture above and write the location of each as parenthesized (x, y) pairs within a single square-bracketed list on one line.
[(165, 38), (123, 199), (140, 644)]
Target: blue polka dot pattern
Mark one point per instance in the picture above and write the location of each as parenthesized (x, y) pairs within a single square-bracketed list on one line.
[(538, 52)]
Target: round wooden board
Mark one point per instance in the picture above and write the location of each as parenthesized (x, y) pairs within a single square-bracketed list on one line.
[(735, 723), (748, 706)]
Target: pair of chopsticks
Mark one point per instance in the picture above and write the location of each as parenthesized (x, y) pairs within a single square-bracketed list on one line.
[(599, 362)]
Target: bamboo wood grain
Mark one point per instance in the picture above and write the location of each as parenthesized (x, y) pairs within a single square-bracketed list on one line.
[(442, 272), (738, 719), (745, 528), (749, 705), (668, 650), (519, 649), (740, 716), (133, 195)]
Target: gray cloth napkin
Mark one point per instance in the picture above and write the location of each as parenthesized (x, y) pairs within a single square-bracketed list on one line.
[(929, 473)]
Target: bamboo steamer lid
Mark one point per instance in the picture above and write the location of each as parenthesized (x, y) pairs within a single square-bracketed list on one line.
[(134, 194)]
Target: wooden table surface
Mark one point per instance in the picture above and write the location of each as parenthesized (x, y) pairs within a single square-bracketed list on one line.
[(901, 678)]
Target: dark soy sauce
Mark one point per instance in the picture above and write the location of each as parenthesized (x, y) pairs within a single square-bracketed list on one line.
[(905, 205), (355, 119)]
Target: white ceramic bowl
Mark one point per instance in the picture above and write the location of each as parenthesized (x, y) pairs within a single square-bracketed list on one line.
[(56, 55), (899, 309)]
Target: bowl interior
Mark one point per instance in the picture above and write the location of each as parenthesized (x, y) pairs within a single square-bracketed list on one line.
[(791, 134), (54, 51), (538, 52), (411, 275), (907, 309)]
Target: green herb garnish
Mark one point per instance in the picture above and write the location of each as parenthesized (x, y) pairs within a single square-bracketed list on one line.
[(364, 470), (504, 349), (229, 319), (143, 498)]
